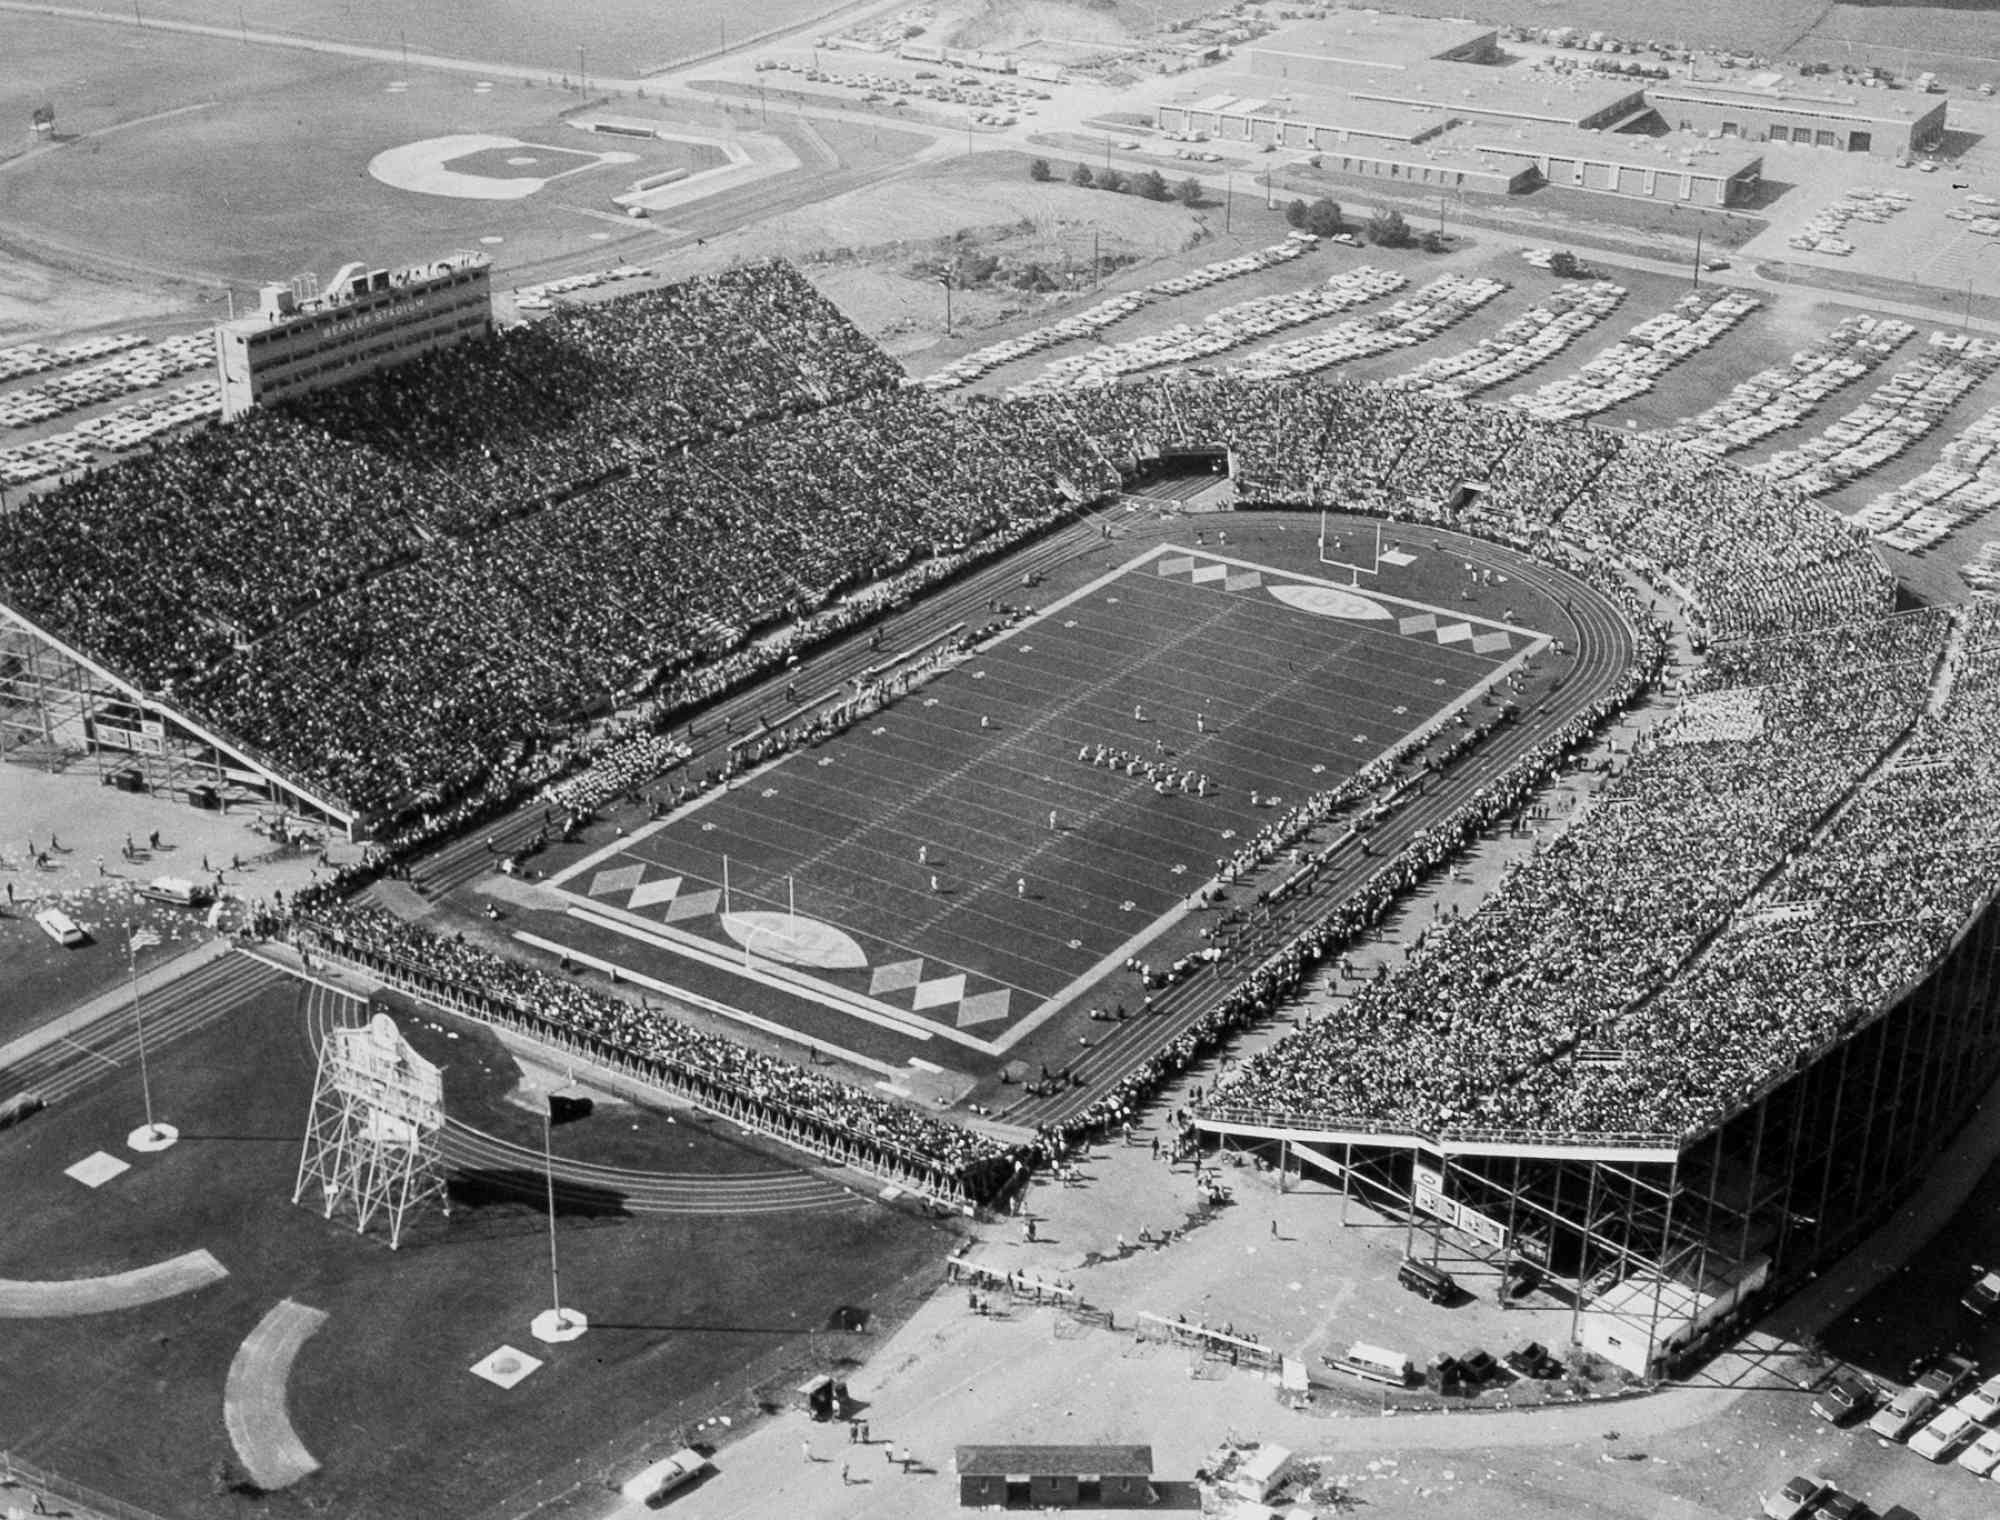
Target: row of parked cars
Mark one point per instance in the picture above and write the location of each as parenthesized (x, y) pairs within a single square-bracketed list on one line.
[(1528, 340), (542, 297), (1633, 367), (1417, 318), (1942, 1414), (1094, 319), (1786, 394), (132, 368), (1230, 327), (1906, 407), (1963, 485), (22, 359)]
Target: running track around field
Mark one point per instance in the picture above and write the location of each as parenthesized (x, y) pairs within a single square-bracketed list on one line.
[(954, 783)]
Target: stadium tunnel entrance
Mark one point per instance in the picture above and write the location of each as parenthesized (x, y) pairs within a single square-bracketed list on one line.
[(1201, 464)]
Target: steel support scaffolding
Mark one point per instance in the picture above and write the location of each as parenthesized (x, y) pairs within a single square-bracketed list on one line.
[(1754, 1204)]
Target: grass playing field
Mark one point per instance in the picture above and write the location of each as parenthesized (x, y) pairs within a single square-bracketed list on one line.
[(898, 889)]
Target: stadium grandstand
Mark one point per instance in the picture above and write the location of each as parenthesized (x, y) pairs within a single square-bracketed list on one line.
[(1696, 1045)]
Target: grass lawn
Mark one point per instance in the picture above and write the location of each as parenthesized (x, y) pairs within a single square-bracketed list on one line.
[(691, 1314)]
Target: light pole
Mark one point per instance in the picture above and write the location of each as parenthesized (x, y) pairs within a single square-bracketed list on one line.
[(945, 280), (1228, 199), (582, 78)]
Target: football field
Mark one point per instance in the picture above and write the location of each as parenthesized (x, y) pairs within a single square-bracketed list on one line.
[(961, 865)]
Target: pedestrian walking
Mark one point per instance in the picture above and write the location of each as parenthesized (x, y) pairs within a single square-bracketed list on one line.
[(864, 1432), (807, 1448), (844, 1478), (1020, 886), (923, 854), (853, 1431), (100, 865), (1052, 820), (934, 885), (1274, 1229)]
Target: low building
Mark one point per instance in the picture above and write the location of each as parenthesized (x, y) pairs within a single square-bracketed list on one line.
[(1884, 123), (1681, 171), (1037, 1477)]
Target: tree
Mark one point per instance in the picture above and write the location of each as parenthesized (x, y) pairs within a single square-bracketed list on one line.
[(1082, 177), (1563, 264), (1188, 191), (1295, 213), (1388, 230), (1152, 185), (1110, 179), (1039, 171), (1323, 218)]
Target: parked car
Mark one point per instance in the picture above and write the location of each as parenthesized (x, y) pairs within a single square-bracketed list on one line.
[(1983, 1297), (1840, 1506), (1983, 1455), (1796, 1498), (1843, 1399), (1983, 1403), (1904, 1413), (1949, 1376), (1940, 1440)]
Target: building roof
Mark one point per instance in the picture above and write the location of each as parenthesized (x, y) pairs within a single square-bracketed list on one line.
[(1722, 157), (1370, 39), (1471, 89), (1887, 107), (1055, 1461), (1321, 108)]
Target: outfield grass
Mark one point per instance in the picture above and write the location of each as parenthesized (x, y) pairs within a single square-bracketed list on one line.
[(690, 1314)]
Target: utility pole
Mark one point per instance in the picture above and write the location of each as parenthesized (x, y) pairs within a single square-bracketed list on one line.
[(582, 78), (945, 280), (1699, 227), (1228, 199)]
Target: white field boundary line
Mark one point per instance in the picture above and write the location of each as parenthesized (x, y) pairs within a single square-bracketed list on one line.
[(711, 1005), (767, 972)]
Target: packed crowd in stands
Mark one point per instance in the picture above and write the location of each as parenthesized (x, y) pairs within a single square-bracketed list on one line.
[(625, 1029), (419, 591), (1589, 942)]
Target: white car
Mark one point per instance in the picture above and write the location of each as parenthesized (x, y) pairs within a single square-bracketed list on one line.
[(1941, 1439), (1983, 1403), (1983, 1455)]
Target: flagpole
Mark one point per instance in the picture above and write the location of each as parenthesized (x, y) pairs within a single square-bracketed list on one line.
[(549, 1172), (139, 1020), (152, 1135), (556, 1325)]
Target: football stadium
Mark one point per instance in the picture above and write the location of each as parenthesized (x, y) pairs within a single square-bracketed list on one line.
[(979, 765)]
